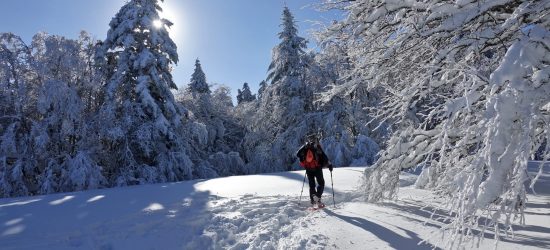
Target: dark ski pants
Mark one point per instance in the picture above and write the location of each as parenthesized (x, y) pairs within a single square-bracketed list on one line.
[(311, 176)]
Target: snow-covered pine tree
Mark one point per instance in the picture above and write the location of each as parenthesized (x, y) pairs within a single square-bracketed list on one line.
[(280, 122), (461, 105), (198, 92), (287, 56), (339, 116), (196, 98), (245, 95), (214, 129), (200, 103), (198, 84), (141, 124)]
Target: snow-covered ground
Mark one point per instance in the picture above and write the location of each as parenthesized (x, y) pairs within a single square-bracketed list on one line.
[(240, 212)]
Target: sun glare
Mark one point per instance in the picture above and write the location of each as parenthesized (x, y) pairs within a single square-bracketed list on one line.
[(157, 24), (172, 11)]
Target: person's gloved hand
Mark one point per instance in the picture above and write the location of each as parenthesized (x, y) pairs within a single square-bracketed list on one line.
[(330, 167)]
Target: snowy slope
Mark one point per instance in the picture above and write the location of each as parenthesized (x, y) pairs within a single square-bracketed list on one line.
[(259, 211)]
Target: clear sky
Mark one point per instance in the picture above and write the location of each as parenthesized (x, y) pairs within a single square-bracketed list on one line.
[(232, 38)]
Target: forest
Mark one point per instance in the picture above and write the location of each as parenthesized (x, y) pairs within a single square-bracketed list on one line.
[(457, 89)]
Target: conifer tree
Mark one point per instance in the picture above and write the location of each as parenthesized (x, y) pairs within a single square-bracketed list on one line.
[(287, 92), (288, 54), (141, 119), (198, 80), (280, 122), (245, 95)]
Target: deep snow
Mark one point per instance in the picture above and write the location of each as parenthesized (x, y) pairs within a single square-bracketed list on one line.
[(239, 212)]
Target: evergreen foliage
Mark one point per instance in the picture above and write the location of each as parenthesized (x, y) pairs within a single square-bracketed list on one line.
[(140, 122), (198, 80), (245, 95)]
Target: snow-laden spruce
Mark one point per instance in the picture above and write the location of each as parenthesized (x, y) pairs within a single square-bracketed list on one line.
[(141, 125), (279, 124), (466, 86), (198, 83), (214, 131), (286, 110), (245, 95)]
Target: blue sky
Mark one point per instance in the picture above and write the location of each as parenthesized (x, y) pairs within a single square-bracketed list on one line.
[(232, 38)]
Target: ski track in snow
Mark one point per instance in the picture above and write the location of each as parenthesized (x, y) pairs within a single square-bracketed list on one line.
[(263, 223)]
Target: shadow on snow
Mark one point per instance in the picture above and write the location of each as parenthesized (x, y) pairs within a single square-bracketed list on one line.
[(160, 216), (395, 240)]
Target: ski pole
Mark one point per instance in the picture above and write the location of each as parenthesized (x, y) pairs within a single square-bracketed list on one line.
[(332, 182), (303, 183)]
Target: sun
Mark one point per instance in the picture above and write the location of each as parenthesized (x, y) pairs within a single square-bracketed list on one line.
[(173, 12), (157, 24)]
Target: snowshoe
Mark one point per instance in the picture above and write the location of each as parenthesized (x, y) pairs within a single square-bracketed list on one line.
[(316, 204), (320, 204), (316, 207)]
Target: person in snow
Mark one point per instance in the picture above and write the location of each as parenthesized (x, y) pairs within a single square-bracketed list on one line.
[(313, 159)]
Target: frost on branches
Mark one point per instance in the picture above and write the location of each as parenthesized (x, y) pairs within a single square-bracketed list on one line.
[(279, 122), (214, 132), (141, 124), (14, 125), (352, 135), (286, 109), (45, 141), (466, 87)]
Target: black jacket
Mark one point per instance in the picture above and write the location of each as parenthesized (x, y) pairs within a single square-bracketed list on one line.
[(320, 155)]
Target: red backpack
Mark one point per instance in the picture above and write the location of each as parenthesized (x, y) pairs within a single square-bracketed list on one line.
[(309, 161)]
